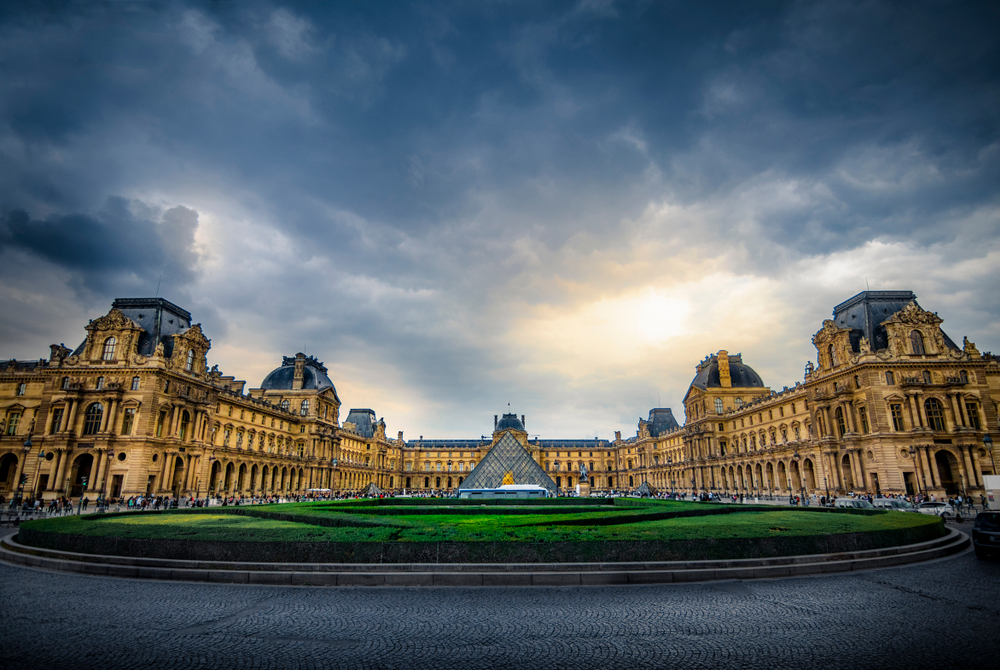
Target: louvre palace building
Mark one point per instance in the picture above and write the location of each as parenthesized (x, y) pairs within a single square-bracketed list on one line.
[(892, 405)]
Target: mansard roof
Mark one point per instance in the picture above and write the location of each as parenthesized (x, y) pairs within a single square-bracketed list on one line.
[(865, 313)]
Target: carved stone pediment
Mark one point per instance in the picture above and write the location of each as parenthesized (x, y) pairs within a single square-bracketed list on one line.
[(113, 320), (914, 315)]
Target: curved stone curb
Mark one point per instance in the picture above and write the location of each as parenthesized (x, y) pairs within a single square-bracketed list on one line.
[(478, 574)]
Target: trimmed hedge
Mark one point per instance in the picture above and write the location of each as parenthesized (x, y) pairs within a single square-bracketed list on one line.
[(480, 552)]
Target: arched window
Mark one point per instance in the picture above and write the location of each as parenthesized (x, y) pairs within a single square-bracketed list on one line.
[(935, 416), (304, 408), (92, 419), (190, 360), (739, 402), (841, 426), (917, 341), (927, 376), (718, 405), (284, 405), (109, 349), (890, 379), (833, 356)]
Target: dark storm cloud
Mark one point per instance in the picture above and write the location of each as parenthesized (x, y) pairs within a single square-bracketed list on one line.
[(113, 250), (403, 184)]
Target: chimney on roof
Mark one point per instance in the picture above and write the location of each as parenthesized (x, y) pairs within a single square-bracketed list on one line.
[(300, 367), (522, 420), (494, 422)]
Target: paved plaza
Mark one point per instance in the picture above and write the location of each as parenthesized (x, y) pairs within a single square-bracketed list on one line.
[(943, 614)]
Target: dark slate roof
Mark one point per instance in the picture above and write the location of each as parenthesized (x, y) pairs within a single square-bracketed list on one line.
[(661, 420), (571, 444), (313, 376), (509, 422), (447, 444), (161, 319), (742, 376), (363, 420), (865, 313)]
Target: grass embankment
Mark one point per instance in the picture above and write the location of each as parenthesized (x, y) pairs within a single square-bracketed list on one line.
[(442, 531)]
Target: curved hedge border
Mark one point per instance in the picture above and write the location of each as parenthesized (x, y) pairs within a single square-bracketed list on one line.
[(481, 552)]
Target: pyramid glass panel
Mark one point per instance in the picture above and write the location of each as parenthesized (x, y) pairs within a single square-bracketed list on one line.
[(506, 463)]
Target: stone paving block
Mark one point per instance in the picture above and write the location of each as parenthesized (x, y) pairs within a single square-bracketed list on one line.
[(506, 579), (94, 569), (693, 575), (274, 578), (228, 577), (310, 578), (409, 579), (190, 575), (603, 578), (152, 573), (360, 579), (555, 578), (458, 579), (122, 571)]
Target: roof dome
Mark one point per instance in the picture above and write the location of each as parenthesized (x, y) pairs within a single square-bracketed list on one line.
[(510, 422), (313, 376), (741, 375)]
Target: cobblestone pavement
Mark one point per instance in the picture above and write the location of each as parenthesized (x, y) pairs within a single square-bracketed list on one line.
[(944, 614)]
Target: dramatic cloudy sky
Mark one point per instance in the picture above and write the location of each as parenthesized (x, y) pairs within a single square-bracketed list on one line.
[(564, 206)]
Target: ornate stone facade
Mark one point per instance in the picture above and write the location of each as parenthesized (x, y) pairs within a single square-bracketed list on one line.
[(892, 406)]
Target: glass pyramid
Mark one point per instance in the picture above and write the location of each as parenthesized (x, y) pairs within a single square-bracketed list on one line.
[(507, 463)]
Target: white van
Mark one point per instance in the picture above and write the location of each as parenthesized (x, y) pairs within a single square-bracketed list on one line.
[(855, 503), (894, 504)]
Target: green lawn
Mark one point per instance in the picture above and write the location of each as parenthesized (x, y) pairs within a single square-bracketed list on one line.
[(343, 522)]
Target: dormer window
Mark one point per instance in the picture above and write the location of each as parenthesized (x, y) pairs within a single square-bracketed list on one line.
[(917, 342), (109, 349), (190, 360)]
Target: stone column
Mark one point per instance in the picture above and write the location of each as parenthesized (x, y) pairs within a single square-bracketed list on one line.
[(61, 471), (976, 470), (163, 471), (95, 472), (956, 411), (970, 474), (113, 421), (931, 467), (923, 414), (71, 420)]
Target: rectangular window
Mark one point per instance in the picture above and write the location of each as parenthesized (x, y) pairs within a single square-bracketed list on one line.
[(863, 414), (22, 388), (897, 416), (57, 417), (972, 409), (12, 422), (159, 424), (135, 383), (128, 418)]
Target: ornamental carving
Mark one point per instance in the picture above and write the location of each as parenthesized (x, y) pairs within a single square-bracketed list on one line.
[(914, 315), (113, 320)]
